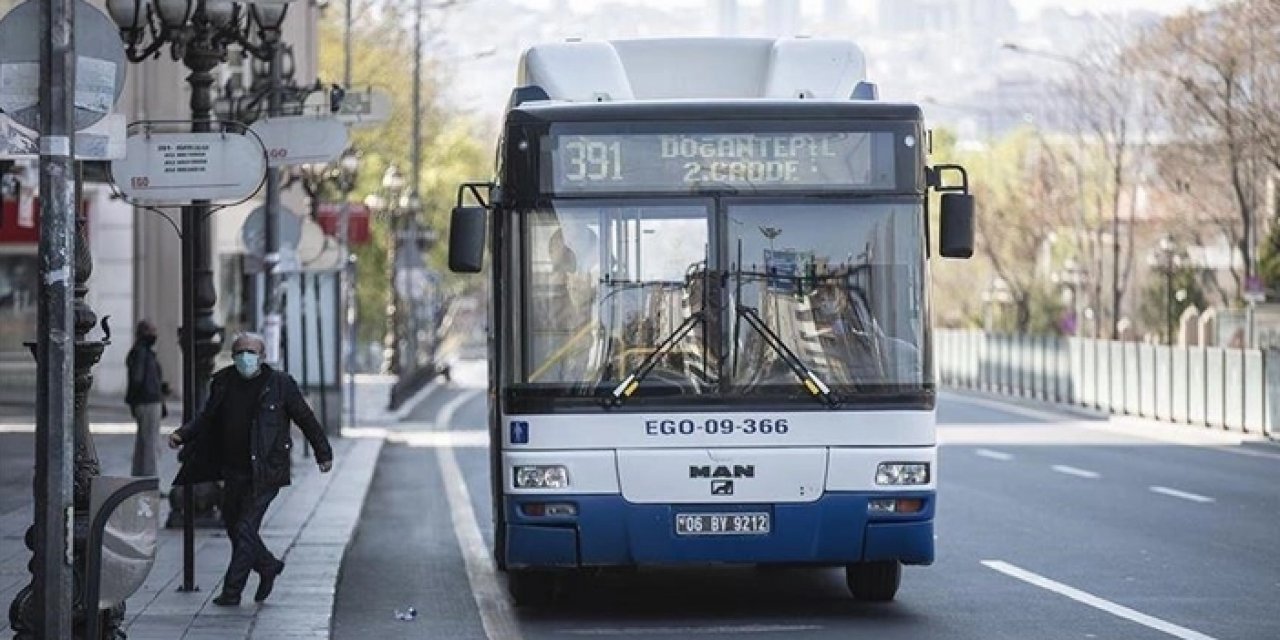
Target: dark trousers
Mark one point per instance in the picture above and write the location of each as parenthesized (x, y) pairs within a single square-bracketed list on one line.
[(243, 509)]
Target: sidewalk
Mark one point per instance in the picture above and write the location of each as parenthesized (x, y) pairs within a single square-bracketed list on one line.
[(309, 526)]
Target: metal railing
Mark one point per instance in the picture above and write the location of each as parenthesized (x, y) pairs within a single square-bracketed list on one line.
[(1210, 386)]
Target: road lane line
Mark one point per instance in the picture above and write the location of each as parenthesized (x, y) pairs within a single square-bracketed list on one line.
[(681, 632), (1194, 497), (1094, 601), (496, 615), (1073, 471), (994, 455)]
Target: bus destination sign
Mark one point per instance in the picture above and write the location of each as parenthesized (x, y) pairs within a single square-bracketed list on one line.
[(826, 161)]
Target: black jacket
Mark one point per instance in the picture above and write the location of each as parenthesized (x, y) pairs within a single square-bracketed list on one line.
[(281, 402), (146, 383)]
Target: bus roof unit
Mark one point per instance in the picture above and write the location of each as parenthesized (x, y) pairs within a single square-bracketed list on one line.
[(697, 69)]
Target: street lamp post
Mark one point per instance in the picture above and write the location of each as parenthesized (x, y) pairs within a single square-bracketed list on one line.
[(392, 185), (198, 33), (1166, 258)]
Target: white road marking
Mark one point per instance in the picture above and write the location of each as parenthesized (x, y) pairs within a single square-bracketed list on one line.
[(96, 428), (429, 439), (691, 631), (1094, 601), (496, 615), (1073, 471), (995, 455), (1194, 497)]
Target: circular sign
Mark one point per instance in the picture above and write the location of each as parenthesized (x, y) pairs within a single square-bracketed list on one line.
[(253, 233), (100, 65)]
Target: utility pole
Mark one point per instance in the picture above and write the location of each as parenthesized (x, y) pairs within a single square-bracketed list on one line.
[(346, 49), (55, 443), (272, 320), (410, 363)]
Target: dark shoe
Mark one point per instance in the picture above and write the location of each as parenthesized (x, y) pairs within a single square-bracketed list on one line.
[(227, 600), (266, 582)]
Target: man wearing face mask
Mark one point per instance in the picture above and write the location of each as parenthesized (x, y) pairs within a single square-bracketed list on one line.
[(241, 437), (145, 396)]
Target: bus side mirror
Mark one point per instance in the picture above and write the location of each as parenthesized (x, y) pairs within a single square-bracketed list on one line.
[(956, 237), (466, 239)]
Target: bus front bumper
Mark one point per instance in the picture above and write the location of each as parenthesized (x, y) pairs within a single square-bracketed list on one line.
[(606, 530)]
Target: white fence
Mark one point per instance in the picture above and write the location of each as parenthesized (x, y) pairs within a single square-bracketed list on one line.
[(1214, 387)]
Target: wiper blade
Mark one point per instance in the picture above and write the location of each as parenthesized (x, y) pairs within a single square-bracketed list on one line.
[(632, 382), (808, 378)]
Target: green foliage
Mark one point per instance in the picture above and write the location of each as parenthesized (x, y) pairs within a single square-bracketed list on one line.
[(1041, 311), (451, 152)]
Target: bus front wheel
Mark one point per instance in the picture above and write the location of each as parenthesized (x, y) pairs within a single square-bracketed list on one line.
[(874, 581), (531, 588)]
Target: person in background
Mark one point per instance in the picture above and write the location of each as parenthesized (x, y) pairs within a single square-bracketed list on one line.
[(241, 436), (145, 396)]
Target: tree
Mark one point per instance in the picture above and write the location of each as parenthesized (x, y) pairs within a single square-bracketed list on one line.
[(1217, 72), (452, 151), (1112, 120)]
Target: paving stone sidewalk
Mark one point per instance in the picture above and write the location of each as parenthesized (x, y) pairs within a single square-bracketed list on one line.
[(309, 526)]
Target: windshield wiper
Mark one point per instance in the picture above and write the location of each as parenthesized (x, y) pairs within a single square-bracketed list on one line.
[(632, 382), (808, 378)]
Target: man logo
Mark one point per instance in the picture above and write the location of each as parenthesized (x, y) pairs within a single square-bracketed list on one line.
[(721, 487), (722, 471)]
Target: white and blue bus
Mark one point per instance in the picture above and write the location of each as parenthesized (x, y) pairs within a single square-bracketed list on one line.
[(709, 334)]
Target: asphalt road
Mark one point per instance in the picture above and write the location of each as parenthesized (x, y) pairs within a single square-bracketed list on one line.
[(1049, 526)]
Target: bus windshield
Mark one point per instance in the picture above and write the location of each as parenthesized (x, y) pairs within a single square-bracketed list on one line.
[(607, 284)]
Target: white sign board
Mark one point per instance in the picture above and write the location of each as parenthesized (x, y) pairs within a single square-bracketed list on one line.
[(176, 168), (357, 107), (296, 140), (105, 140)]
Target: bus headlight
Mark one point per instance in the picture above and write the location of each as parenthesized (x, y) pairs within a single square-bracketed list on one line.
[(902, 473), (542, 476)]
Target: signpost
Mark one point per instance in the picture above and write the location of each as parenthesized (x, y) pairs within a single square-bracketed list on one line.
[(61, 71), (355, 108), (171, 169), (294, 140)]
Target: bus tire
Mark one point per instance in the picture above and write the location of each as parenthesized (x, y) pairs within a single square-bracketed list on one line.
[(874, 581), (531, 588)]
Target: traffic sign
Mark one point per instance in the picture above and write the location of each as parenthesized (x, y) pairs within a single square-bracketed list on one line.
[(329, 213), (369, 107), (1254, 292), (253, 233), (167, 169), (100, 64), (295, 140)]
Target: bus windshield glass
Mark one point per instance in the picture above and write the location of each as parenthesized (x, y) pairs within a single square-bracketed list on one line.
[(607, 283)]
